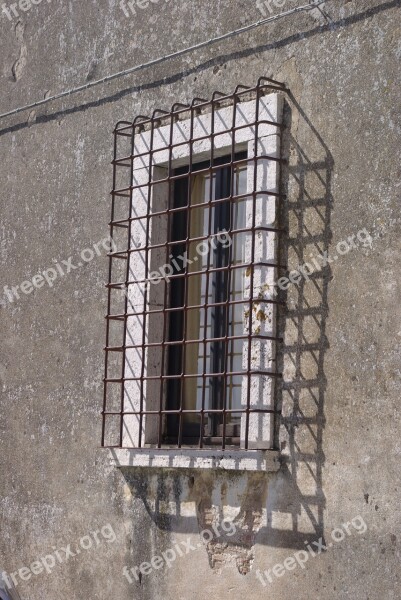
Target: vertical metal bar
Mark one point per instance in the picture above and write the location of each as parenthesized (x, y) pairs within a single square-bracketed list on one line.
[(109, 292), (145, 291), (186, 280), (165, 296), (164, 335), (281, 259), (165, 304), (251, 290), (229, 273), (210, 209), (127, 278)]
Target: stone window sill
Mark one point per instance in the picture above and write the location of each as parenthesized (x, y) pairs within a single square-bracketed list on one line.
[(187, 458)]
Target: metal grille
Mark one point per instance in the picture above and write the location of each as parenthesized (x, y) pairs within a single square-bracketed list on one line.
[(179, 364)]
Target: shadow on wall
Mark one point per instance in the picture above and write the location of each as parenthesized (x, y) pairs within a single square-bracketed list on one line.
[(296, 501), (201, 503), (287, 508)]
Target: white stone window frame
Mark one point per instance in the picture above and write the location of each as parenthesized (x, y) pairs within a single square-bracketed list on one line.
[(260, 455)]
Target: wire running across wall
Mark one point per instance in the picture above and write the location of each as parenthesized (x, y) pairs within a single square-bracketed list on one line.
[(91, 84)]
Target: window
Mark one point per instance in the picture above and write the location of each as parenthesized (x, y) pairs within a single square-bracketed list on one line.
[(192, 311), (206, 332)]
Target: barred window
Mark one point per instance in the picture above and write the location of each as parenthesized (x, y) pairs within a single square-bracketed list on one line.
[(192, 334)]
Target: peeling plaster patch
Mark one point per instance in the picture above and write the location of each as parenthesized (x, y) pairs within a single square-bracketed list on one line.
[(3, 373), (197, 502), (92, 70), (214, 503), (32, 116), (19, 65), (7, 238), (79, 153)]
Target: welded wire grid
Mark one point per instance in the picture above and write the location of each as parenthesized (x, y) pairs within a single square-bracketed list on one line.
[(216, 422)]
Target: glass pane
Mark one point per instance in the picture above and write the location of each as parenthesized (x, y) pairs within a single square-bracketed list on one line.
[(196, 296), (201, 357), (208, 298), (236, 327)]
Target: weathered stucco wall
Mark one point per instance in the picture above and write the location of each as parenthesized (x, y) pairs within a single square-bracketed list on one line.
[(341, 424)]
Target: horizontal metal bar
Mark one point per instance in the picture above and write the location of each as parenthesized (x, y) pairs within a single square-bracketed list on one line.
[(187, 241), (194, 376), (207, 103), (211, 169), (196, 306), (131, 157), (204, 205), (228, 338), (195, 412), (122, 284)]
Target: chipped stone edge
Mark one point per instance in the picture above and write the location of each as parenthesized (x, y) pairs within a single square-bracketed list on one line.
[(236, 460)]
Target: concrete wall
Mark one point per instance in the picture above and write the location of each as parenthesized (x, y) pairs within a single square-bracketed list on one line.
[(340, 429)]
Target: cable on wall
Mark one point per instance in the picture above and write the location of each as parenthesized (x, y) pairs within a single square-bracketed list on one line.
[(312, 5)]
